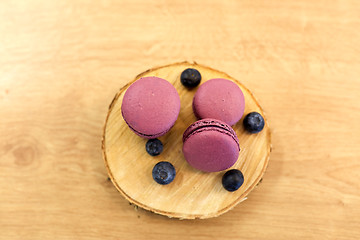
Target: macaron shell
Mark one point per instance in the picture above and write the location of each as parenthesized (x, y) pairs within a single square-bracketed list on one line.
[(211, 151), (219, 99), (150, 106), (210, 145)]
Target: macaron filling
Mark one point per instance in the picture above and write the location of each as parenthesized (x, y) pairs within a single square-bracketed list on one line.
[(149, 136), (208, 124)]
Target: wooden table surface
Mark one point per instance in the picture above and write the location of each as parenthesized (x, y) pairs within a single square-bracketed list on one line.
[(61, 62)]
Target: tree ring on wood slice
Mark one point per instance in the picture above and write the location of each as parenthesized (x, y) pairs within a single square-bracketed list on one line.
[(192, 194)]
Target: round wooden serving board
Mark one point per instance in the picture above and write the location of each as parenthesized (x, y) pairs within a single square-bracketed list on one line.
[(192, 194)]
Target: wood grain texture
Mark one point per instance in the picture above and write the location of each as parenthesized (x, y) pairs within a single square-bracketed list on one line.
[(192, 194), (61, 63)]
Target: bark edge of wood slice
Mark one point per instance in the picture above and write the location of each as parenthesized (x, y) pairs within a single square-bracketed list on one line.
[(193, 194)]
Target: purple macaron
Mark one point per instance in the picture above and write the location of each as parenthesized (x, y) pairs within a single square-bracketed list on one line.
[(150, 107), (221, 99), (210, 145)]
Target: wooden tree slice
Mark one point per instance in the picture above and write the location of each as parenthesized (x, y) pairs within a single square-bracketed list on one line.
[(192, 194)]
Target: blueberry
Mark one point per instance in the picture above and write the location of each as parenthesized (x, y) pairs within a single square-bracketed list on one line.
[(163, 173), (232, 180), (254, 122), (190, 77), (154, 147)]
